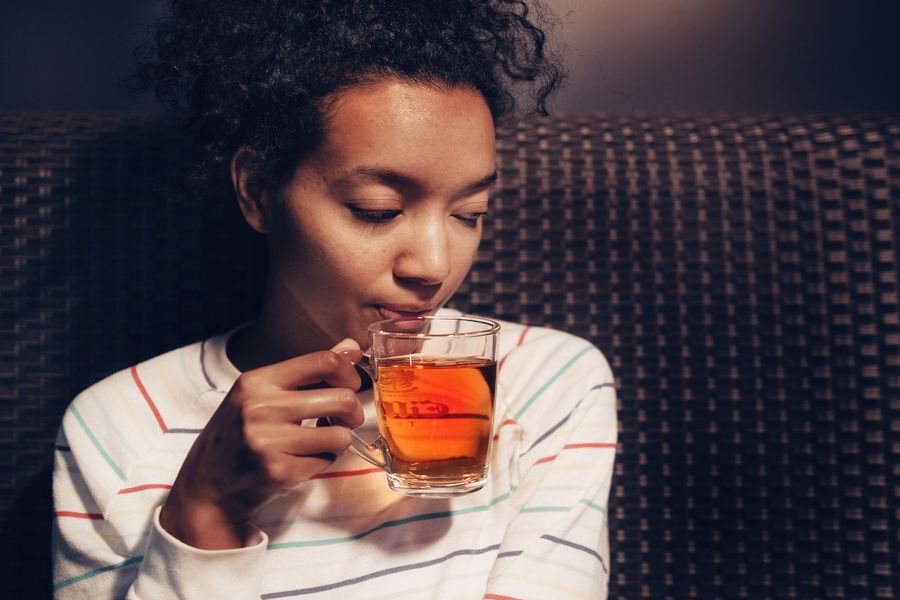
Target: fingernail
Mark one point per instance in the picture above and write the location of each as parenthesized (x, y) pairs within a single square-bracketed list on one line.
[(345, 344)]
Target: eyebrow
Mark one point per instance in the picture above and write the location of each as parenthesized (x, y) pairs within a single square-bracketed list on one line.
[(397, 179)]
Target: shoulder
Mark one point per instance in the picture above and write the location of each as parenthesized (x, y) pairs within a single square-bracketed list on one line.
[(544, 370), (556, 388), (155, 381), (525, 348), (534, 351), (116, 421)]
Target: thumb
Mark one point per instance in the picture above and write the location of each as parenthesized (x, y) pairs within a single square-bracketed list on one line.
[(349, 349)]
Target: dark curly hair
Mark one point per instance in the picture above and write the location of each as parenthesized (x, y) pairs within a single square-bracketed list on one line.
[(258, 73)]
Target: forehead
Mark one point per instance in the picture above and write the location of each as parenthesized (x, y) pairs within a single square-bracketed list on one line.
[(408, 126)]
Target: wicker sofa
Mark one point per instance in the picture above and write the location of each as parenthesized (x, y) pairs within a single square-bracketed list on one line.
[(740, 272)]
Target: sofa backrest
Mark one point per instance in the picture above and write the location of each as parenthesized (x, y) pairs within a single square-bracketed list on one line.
[(740, 273)]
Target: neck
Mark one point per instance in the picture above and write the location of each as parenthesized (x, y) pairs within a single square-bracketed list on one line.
[(282, 331)]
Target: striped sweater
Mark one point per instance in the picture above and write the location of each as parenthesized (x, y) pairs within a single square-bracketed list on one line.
[(538, 529)]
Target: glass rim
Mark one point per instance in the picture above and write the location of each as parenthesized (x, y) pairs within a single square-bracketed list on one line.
[(493, 327)]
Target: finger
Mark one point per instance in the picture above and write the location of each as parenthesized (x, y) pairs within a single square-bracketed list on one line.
[(346, 345), (349, 349), (299, 441), (287, 471), (339, 404), (305, 370)]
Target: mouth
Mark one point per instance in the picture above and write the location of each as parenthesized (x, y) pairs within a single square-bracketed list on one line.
[(404, 312)]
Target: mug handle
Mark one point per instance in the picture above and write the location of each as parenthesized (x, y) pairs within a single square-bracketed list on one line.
[(375, 452)]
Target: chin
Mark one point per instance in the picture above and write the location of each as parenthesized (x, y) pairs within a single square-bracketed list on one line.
[(359, 333)]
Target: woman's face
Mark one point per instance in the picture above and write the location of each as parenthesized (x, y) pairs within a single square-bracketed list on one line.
[(384, 219)]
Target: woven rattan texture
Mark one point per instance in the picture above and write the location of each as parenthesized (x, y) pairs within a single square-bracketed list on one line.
[(741, 274)]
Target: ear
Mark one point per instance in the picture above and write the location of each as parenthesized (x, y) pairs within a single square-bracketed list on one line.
[(252, 196)]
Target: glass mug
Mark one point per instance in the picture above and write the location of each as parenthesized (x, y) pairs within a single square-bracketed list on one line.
[(434, 381)]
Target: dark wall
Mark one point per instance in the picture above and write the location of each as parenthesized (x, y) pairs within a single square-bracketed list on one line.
[(624, 55), (56, 54), (731, 55)]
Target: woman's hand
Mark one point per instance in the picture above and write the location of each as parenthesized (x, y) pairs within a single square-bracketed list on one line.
[(253, 449)]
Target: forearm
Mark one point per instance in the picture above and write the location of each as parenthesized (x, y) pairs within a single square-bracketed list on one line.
[(202, 525), (110, 546), (172, 569)]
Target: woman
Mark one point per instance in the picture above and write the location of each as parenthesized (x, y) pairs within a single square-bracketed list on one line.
[(359, 139)]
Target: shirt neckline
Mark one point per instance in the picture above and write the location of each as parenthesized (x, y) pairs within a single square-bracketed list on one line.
[(218, 370)]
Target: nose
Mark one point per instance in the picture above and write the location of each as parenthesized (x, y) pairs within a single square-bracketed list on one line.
[(425, 256)]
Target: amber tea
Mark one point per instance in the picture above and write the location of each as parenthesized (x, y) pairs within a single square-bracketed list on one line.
[(435, 416), (434, 381)]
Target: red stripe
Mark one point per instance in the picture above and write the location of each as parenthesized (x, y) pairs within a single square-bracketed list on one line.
[(502, 425), (591, 445), (78, 515), (499, 597), (332, 474), (137, 380), (147, 486), (547, 459), (519, 343)]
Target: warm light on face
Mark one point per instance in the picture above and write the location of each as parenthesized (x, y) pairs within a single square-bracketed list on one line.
[(384, 219)]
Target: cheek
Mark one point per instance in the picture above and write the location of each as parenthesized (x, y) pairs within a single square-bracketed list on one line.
[(358, 266), (465, 250), (342, 261), (311, 243)]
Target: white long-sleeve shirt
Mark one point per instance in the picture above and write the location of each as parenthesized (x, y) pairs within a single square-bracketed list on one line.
[(538, 529)]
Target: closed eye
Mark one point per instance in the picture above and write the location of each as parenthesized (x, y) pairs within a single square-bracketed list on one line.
[(471, 219), (375, 216)]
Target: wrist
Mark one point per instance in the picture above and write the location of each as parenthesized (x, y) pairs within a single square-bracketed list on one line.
[(202, 525)]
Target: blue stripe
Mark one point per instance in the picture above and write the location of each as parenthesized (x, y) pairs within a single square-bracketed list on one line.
[(95, 572), (579, 547), (550, 382), (203, 364), (423, 517), (562, 422), (383, 573), (96, 442)]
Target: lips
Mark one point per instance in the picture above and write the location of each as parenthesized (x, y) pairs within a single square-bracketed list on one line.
[(404, 312)]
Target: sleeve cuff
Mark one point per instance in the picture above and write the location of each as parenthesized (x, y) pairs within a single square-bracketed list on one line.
[(172, 569)]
